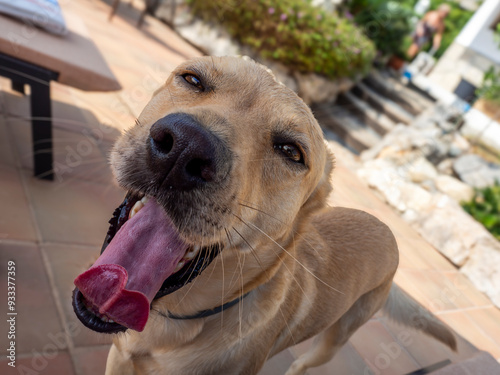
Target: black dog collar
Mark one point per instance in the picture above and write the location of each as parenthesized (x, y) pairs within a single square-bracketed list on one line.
[(209, 312)]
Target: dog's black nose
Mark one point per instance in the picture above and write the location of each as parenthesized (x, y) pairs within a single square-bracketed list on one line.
[(183, 153)]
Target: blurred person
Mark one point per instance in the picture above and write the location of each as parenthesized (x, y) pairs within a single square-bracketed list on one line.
[(432, 24)]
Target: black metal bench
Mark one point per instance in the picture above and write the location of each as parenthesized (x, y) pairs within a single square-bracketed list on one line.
[(24, 73)]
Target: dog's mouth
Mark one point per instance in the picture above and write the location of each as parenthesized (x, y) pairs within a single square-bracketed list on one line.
[(143, 258)]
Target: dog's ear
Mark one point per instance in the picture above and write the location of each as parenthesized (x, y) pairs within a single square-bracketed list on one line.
[(317, 199)]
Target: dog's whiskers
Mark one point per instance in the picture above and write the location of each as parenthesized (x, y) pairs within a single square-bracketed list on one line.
[(223, 277), (194, 281), (284, 264), (247, 205), (254, 253), (240, 307), (288, 253)]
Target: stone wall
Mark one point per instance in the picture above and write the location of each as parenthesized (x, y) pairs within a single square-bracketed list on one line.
[(415, 169)]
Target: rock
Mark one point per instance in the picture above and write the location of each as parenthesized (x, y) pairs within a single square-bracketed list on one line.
[(403, 139), (447, 126), (400, 170), (281, 72), (428, 185), (446, 167), (313, 88), (446, 226), (383, 176), (456, 189), (208, 38), (483, 268), (475, 171), (438, 115), (420, 170), (437, 217), (459, 145)]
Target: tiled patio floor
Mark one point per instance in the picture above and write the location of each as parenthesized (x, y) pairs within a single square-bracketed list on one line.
[(53, 230)]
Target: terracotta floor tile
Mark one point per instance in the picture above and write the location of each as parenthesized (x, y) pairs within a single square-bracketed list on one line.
[(435, 258), (301, 348), (381, 351), (16, 221), (406, 262), (91, 361), (106, 111), (7, 156), (278, 364), (409, 258), (37, 321), (481, 363), (408, 285), (77, 155), (488, 320), (73, 211), (422, 255), (425, 349), (16, 104), (467, 289), (49, 364), (67, 262), (450, 288), (464, 326), (346, 362), (438, 295), (5, 85)]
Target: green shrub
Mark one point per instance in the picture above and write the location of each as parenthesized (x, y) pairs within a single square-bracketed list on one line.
[(490, 88), (293, 32), (387, 23), (390, 24), (485, 208)]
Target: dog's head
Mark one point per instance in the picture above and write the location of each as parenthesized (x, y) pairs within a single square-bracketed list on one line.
[(223, 159)]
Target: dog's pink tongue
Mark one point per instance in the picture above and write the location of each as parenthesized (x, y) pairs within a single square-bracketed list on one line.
[(124, 280)]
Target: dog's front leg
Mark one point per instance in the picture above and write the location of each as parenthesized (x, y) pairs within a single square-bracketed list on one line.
[(118, 364)]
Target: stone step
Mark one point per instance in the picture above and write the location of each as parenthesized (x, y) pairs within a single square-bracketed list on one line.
[(350, 129), (481, 363), (383, 104), (378, 121), (408, 98)]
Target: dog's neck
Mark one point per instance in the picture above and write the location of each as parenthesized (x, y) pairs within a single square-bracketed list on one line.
[(208, 312)]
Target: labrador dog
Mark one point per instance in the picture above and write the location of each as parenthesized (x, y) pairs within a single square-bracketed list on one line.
[(224, 251)]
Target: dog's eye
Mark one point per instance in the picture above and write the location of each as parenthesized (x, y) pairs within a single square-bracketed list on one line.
[(193, 81), (291, 151)]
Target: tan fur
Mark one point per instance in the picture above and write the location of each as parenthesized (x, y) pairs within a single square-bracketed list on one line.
[(310, 269)]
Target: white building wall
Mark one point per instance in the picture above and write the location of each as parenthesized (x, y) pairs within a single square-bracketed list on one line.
[(478, 36), (473, 51)]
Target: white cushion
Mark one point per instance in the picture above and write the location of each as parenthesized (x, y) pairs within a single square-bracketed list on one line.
[(43, 13)]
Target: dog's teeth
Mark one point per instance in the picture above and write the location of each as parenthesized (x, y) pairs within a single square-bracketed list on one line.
[(137, 206), (144, 200), (191, 253), (179, 265)]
